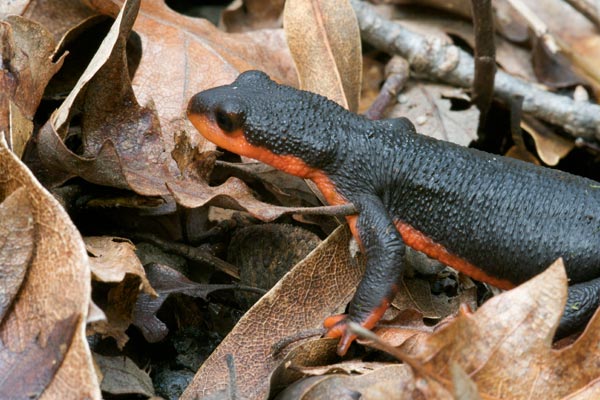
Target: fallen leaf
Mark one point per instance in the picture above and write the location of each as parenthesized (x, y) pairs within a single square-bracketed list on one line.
[(553, 69), (577, 37), (324, 39), (15, 7), (55, 290), (58, 16), (122, 377), (387, 382), (27, 66), (27, 373), (200, 56), (118, 309), (111, 258), (123, 142), (551, 148), (18, 233), (509, 339), (430, 107), (251, 15), (289, 190), (317, 287)]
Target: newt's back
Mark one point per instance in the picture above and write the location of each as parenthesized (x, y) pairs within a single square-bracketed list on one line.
[(508, 217)]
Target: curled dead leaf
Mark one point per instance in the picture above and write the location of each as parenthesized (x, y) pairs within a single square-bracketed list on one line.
[(111, 258), (27, 66), (46, 321), (509, 340), (324, 39)]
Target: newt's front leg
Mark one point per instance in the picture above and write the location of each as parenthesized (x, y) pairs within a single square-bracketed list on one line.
[(384, 250)]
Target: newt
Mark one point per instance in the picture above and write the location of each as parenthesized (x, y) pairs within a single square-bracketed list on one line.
[(496, 219)]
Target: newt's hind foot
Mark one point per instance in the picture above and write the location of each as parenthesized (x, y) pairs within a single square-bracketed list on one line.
[(337, 327)]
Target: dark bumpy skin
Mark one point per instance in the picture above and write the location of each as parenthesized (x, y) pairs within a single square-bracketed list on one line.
[(497, 219)]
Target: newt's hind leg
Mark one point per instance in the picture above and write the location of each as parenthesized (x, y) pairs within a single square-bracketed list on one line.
[(582, 301)]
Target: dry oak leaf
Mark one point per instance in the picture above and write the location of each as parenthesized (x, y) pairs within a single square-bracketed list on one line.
[(123, 144), (184, 55), (26, 49), (111, 258), (429, 107), (43, 330), (57, 16), (120, 376), (250, 15), (315, 288), (506, 346), (324, 40), (114, 260)]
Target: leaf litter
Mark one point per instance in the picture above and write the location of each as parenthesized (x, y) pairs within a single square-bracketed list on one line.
[(122, 128)]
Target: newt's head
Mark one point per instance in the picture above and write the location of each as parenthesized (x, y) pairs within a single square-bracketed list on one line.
[(255, 117)]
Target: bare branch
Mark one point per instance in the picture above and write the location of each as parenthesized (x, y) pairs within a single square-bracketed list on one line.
[(485, 60), (450, 64), (589, 8)]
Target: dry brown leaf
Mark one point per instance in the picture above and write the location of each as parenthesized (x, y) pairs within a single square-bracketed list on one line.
[(18, 234), (551, 148), (577, 37), (429, 106), (509, 340), (324, 39), (118, 310), (197, 56), (111, 258), (387, 382), (123, 143), (553, 69), (463, 387), (58, 16), (114, 260), (47, 319), (250, 15), (289, 190), (122, 377), (15, 7), (26, 49), (317, 287)]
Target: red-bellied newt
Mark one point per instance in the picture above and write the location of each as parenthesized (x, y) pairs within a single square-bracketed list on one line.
[(496, 219)]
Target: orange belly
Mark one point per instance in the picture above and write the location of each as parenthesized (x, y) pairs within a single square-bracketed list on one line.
[(419, 241)]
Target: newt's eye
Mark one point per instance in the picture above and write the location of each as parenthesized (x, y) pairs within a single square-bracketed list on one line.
[(229, 116)]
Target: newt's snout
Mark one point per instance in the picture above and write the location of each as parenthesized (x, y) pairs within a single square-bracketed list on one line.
[(200, 104)]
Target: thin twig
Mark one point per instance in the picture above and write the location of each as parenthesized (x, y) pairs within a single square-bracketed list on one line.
[(198, 254), (589, 8), (397, 71), (452, 65), (485, 61)]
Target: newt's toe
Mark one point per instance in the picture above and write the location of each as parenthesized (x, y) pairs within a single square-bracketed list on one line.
[(337, 326)]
